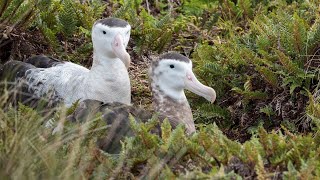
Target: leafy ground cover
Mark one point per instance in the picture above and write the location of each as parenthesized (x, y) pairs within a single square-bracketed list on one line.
[(260, 56)]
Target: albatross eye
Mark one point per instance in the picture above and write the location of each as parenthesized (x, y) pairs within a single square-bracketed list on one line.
[(171, 66), (104, 32)]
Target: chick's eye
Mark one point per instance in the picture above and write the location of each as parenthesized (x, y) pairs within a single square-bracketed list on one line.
[(171, 66), (104, 32)]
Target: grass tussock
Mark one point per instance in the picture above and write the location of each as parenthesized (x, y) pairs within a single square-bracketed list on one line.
[(30, 149)]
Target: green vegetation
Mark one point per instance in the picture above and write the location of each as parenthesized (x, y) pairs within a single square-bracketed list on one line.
[(17, 14), (260, 56)]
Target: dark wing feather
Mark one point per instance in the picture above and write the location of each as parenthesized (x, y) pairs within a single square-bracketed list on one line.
[(116, 116), (42, 61), (14, 82), (11, 79), (12, 70)]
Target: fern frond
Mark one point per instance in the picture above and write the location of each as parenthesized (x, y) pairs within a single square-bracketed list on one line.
[(313, 36), (248, 85), (165, 130), (260, 170), (163, 21), (270, 76), (120, 13), (288, 63), (50, 36), (245, 8), (214, 111), (299, 34), (68, 18)]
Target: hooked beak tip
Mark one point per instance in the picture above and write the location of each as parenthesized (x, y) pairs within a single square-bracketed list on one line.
[(119, 49), (127, 61), (211, 95), (214, 96), (196, 87)]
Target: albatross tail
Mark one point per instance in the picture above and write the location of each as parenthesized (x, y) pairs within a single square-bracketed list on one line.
[(15, 88)]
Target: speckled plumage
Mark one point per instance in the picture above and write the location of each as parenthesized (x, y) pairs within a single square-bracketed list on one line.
[(177, 111), (170, 74)]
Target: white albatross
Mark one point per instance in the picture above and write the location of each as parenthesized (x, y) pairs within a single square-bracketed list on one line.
[(107, 80)]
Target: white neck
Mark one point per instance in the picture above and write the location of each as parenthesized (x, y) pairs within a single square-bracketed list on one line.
[(109, 80), (176, 94), (105, 64)]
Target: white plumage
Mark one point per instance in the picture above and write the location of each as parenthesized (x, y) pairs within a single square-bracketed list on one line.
[(106, 81)]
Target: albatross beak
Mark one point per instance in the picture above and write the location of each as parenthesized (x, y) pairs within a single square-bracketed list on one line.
[(193, 85), (120, 50)]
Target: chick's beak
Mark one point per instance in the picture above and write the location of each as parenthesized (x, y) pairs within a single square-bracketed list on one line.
[(120, 50), (193, 85)]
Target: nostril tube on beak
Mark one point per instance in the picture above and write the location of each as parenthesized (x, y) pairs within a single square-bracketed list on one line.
[(119, 49), (193, 85)]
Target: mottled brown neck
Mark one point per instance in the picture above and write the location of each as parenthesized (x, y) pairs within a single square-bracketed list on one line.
[(176, 112)]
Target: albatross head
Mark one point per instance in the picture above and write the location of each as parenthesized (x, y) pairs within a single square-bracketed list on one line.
[(172, 73), (110, 37)]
